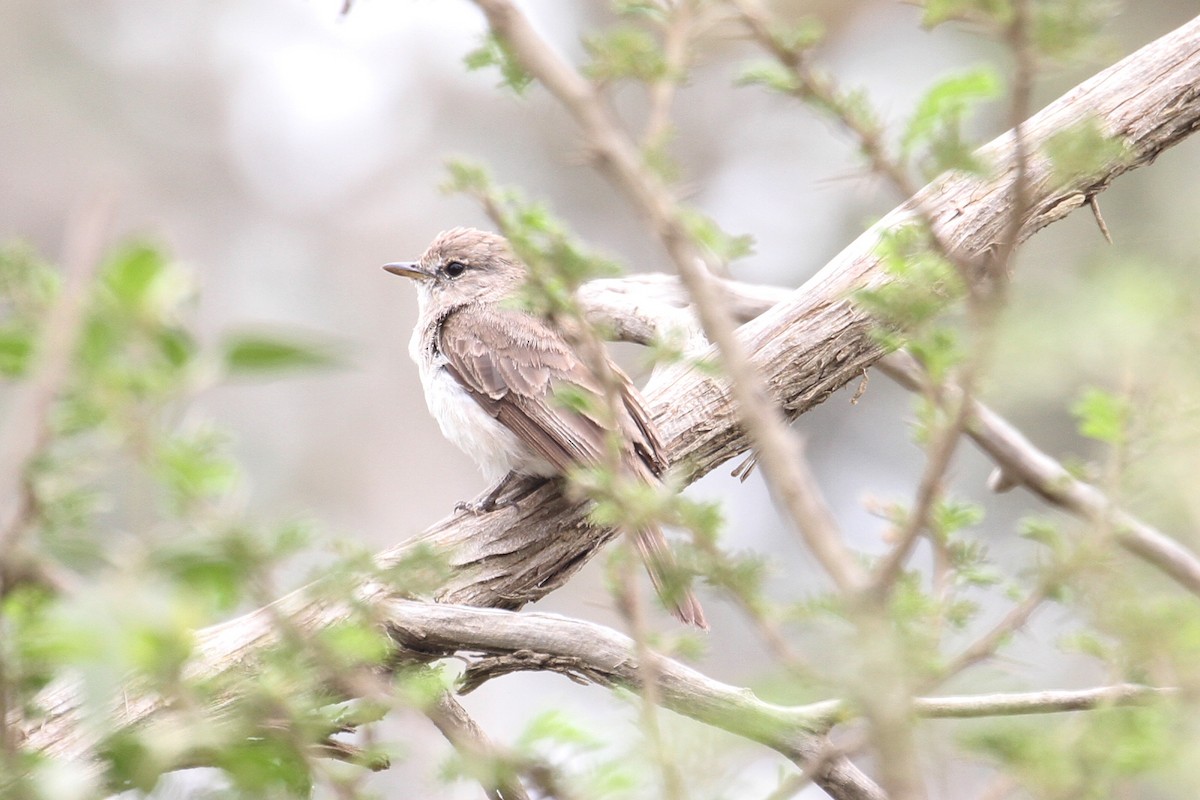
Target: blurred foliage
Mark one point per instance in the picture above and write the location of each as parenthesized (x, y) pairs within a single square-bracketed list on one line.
[(936, 125), (142, 502), (1080, 150), (494, 53), (624, 52)]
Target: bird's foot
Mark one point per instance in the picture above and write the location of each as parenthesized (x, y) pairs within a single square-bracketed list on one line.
[(485, 506), (492, 501)]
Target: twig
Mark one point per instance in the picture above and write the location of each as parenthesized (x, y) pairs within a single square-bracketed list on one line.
[(1008, 705), (478, 754), (986, 645), (26, 430), (795, 783), (676, 39), (1020, 460)]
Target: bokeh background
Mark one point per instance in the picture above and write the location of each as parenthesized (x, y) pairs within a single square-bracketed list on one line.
[(284, 152)]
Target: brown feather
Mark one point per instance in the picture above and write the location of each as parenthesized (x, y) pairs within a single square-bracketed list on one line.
[(512, 363)]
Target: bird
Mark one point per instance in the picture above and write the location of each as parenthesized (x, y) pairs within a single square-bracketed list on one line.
[(490, 371)]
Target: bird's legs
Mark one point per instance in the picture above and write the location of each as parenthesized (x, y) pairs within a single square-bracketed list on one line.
[(492, 501)]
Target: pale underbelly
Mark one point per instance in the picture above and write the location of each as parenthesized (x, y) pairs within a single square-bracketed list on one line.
[(491, 445)]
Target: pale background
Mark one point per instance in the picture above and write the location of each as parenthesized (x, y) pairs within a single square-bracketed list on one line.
[(285, 153)]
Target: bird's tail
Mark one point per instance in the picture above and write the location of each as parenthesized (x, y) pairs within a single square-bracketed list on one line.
[(656, 553)]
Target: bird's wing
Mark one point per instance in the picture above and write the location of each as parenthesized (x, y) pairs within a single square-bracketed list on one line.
[(511, 363)]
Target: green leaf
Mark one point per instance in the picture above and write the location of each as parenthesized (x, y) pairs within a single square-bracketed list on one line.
[(28, 284), (707, 233), (261, 766), (939, 350), (771, 75), (196, 465), (944, 106), (132, 272), (1041, 531), (16, 350), (799, 36), (1082, 151), (998, 12), (467, 177), (625, 52), (923, 285), (556, 727), (576, 398), (1065, 29), (356, 644), (951, 516), (639, 8), (1102, 416), (258, 353), (492, 52)]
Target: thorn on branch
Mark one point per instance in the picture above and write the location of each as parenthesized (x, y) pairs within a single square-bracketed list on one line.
[(862, 388), (1000, 481), (1094, 204)]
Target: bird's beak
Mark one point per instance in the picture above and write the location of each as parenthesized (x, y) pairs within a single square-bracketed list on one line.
[(408, 269)]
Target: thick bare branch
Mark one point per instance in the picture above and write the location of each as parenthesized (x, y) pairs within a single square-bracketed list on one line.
[(600, 655)]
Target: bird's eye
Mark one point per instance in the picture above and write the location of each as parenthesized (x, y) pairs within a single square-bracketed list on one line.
[(455, 268)]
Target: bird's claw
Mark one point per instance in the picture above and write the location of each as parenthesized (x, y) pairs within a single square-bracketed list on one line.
[(484, 506)]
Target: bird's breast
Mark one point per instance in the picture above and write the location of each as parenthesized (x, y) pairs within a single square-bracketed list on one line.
[(492, 446)]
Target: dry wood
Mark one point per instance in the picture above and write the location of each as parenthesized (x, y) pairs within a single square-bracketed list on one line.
[(806, 347), (497, 643)]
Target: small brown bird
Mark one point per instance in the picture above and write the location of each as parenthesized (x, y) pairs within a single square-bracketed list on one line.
[(490, 371)]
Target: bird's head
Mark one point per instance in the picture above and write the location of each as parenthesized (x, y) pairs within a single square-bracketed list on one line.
[(463, 266)]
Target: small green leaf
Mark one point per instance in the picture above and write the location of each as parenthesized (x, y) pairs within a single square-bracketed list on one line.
[(923, 283), (196, 465), (997, 12), (266, 765), (132, 272), (556, 727), (946, 104), (639, 8), (802, 35), (355, 644), (625, 52), (1065, 29), (466, 177), (256, 353), (707, 233), (16, 350), (492, 52), (951, 516), (1083, 150), (1041, 531), (576, 398), (771, 75), (1102, 416)]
